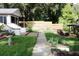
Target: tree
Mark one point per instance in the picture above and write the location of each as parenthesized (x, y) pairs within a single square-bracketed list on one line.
[(6, 5), (68, 16), (35, 11), (57, 13), (76, 9)]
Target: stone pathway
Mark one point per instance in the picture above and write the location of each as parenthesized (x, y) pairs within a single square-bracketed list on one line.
[(42, 48)]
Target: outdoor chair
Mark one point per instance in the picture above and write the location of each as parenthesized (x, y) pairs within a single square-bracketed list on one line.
[(60, 32)]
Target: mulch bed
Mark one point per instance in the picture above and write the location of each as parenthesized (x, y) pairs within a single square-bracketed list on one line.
[(57, 52), (72, 36)]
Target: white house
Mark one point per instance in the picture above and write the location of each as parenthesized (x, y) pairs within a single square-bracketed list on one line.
[(10, 17)]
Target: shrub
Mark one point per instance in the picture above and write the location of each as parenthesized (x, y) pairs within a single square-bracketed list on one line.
[(29, 24), (68, 16), (1, 27)]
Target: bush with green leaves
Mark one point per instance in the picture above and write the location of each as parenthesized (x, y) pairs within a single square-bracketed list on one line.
[(68, 16), (29, 24), (1, 27)]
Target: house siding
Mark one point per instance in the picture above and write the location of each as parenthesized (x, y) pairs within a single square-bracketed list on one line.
[(8, 19)]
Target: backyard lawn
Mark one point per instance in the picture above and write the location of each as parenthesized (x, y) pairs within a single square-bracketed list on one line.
[(21, 46), (72, 43)]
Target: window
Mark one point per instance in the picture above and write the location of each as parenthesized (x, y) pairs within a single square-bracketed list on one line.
[(5, 20), (1, 19), (12, 19)]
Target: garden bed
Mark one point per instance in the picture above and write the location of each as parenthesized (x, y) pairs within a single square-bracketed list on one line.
[(72, 43), (57, 52), (23, 46)]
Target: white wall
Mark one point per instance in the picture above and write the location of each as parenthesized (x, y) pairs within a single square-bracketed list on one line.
[(8, 19)]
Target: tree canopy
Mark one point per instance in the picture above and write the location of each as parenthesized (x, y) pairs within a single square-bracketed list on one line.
[(41, 11), (67, 15)]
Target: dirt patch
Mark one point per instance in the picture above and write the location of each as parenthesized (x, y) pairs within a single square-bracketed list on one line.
[(72, 36)]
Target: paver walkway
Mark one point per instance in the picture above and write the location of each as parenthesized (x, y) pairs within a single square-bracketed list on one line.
[(42, 48)]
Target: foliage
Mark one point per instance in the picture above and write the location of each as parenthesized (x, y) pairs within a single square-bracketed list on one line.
[(48, 12), (30, 30), (35, 11), (23, 46), (1, 27), (68, 16), (71, 42), (76, 9), (29, 24)]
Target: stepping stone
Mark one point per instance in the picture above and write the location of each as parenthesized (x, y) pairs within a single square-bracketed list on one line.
[(63, 47)]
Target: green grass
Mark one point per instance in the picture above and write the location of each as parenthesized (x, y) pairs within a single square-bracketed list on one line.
[(23, 46), (3, 41), (73, 43)]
